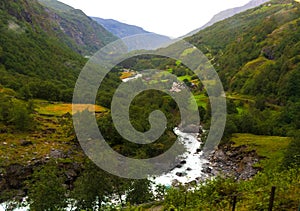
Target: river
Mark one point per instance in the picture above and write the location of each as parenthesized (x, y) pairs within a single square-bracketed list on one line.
[(191, 163)]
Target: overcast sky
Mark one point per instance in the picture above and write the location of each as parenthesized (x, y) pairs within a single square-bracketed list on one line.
[(173, 18)]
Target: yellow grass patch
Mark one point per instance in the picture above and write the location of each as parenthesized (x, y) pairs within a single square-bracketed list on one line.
[(127, 74), (61, 109)]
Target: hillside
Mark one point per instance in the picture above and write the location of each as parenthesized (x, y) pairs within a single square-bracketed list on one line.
[(79, 28), (42, 48), (229, 13), (256, 52), (32, 55)]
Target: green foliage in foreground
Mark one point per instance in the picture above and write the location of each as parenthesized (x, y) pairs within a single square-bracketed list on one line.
[(46, 190), (292, 154), (95, 189), (15, 114), (217, 194)]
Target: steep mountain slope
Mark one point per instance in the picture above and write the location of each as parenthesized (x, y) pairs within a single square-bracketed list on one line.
[(229, 13), (257, 52), (79, 28), (32, 54)]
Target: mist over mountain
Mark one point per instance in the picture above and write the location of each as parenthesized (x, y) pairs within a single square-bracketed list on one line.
[(123, 30), (120, 29)]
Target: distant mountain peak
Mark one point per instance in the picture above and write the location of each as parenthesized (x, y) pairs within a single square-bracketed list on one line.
[(123, 30), (229, 13), (120, 29)]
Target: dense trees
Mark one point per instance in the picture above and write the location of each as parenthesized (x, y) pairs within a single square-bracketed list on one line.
[(15, 113), (140, 110), (46, 189), (94, 189), (251, 54)]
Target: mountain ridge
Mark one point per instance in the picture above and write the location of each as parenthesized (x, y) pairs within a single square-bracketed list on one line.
[(123, 30), (118, 28), (87, 35), (227, 14), (35, 53)]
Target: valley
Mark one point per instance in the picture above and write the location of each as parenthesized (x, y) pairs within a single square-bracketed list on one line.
[(45, 44)]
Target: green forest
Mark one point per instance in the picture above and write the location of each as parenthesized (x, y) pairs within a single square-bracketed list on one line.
[(42, 166)]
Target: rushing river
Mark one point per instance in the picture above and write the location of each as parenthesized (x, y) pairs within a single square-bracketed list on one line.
[(191, 165)]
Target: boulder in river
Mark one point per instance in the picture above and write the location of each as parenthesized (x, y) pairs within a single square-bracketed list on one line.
[(183, 162), (198, 150), (178, 166), (181, 174), (207, 170)]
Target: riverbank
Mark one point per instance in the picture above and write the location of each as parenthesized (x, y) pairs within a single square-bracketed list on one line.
[(236, 162)]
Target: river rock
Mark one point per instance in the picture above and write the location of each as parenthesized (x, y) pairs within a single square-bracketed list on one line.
[(181, 174), (175, 182), (178, 166), (207, 170), (183, 162), (206, 165), (234, 161)]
